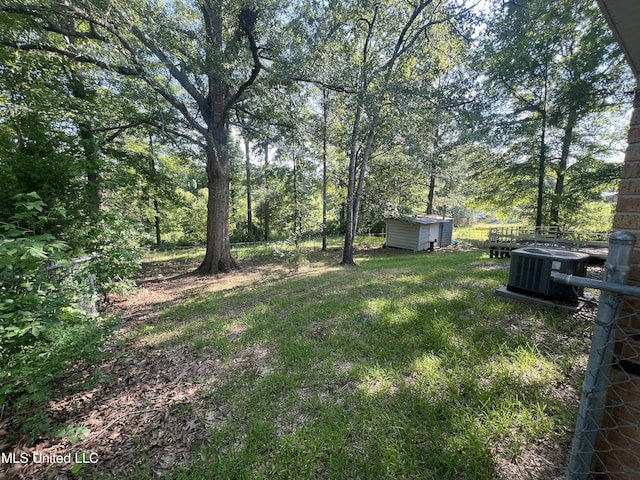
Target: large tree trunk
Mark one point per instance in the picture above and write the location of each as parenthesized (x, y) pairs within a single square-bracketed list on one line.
[(218, 254), (215, 113)]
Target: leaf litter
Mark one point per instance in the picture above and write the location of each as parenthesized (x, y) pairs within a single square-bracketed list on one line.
[(148, 409)]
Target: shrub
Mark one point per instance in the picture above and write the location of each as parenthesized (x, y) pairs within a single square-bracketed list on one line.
[(114, 246), (30, 302), (292, 252), (43, 327)]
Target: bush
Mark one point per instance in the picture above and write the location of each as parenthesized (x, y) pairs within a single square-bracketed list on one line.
[(292, 252), (43, 327), (30, 302), (116, 255)]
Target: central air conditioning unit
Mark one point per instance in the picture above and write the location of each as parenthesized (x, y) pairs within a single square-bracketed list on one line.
[(531, 267)]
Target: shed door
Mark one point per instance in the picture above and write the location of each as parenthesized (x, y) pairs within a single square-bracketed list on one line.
[(428, 233), (446, 233)]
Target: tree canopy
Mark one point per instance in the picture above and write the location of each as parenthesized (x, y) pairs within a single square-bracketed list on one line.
[(349, 111)]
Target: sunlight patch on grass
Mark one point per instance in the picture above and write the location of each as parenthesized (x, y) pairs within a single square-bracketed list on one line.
[(378, 381), (428, 365), (523, 366), (235, 328), (157, 338)]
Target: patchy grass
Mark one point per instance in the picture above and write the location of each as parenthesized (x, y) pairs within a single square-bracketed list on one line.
[(408, 366)]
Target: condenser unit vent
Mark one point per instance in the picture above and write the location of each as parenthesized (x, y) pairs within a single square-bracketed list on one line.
[(531, 267)]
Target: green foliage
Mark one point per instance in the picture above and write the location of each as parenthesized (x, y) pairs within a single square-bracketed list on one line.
[(31, 303), (186, 222), (117, 256), (594, 216), (292, 252), (554, 77), (43, 324), (72, 433)]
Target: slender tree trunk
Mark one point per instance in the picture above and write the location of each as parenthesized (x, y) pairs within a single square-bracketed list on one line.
[(156, 207), (325, 109), (347, 253), (542, 165), (432, 176), (157, 221), (561, 171), (93, 189), (432, 190), (267, 206), (247, 153), (363, 173), (542, 159), (296, 206)]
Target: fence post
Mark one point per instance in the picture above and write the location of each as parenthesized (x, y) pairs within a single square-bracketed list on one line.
[(596, 380)]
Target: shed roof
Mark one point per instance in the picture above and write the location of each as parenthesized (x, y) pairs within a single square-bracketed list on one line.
[(422, 219), (623, 17)]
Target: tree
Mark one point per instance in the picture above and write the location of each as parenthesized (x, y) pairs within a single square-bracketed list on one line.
[(201, 58), (37, 153), (325, 121), (553, 69), (385, 38)]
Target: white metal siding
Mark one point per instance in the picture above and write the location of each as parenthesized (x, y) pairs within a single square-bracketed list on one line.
[(428, 234), (402, 234)]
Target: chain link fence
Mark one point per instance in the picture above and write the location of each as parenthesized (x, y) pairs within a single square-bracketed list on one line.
[(606, 442)]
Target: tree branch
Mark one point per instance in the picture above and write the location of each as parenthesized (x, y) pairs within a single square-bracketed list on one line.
[(121, 69), (175, 72), (322, 84), (247, 24)]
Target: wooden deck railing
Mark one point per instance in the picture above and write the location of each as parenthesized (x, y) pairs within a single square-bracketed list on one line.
[(504, 239)]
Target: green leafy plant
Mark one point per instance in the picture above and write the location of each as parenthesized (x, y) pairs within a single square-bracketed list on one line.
[(117, 256), (30, 302), (72, 433), (43, 325), (292, 252)]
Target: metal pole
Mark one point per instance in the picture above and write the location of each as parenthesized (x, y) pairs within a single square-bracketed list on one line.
[(575, 281), (596, 381)]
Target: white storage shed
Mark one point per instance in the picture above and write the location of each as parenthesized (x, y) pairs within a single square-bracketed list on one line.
[(419, 233)]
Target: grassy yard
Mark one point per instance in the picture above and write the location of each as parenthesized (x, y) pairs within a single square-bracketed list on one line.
[(407, 366)]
